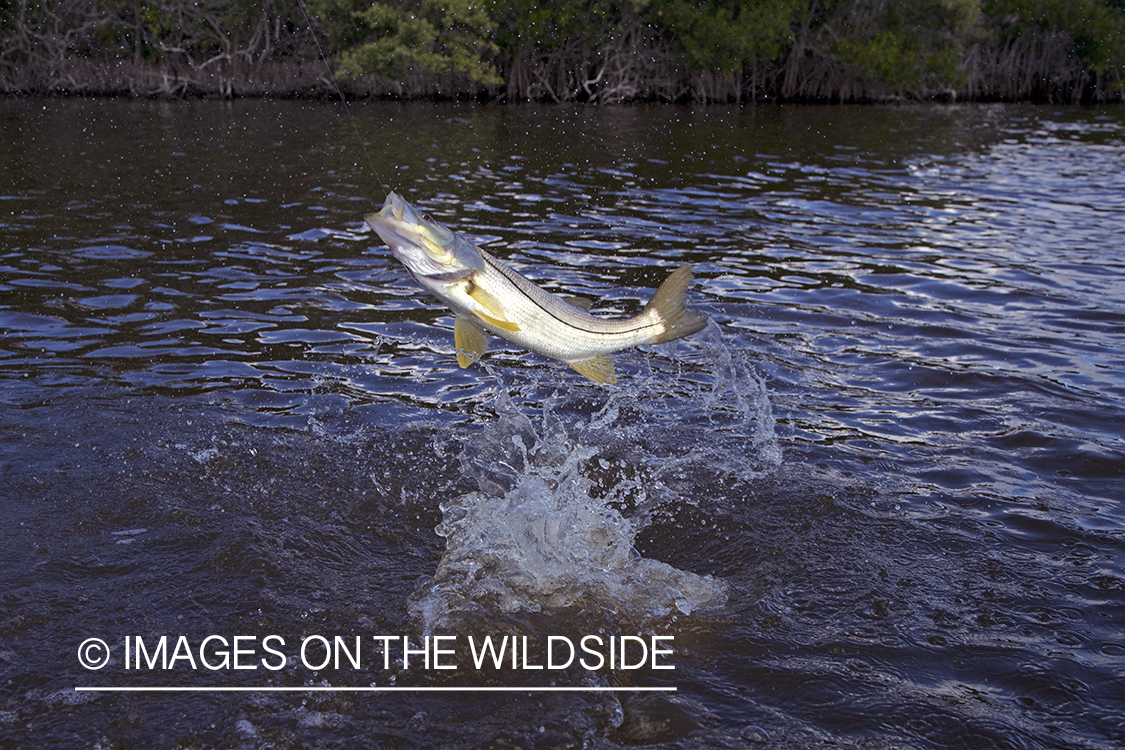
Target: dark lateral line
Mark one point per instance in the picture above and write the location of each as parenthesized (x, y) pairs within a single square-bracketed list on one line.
[(509, 273)]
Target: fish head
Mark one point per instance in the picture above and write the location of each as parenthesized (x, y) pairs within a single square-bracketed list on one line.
[(425, 246)]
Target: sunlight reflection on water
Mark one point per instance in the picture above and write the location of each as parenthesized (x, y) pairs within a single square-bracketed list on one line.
[(897, 451)]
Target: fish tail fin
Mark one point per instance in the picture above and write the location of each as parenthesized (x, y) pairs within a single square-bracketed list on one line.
[(668, 302), (598, 368)]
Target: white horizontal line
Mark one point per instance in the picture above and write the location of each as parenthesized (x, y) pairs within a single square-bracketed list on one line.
[(374, 689)]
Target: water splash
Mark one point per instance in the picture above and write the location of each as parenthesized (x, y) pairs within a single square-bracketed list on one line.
[(562, 498)]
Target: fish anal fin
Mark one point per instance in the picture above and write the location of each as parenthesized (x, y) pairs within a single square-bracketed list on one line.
[(493, 312), (598, 368), (470, 339), (668, 303)]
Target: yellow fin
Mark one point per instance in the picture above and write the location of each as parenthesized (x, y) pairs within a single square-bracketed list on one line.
[(668, 302), (503, 325), (494, 313), (470, 339), (598, 368)]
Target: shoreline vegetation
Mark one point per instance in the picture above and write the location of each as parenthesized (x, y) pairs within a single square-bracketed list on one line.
[(716, 51)]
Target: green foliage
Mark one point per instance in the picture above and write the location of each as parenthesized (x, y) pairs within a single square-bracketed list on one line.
[(539, 24), (1097, 27), (437, 37), (576, 48), (908, 46), (546, 27), (341, 21), (722, 36)]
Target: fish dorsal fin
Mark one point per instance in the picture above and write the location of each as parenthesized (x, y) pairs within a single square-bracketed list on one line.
[(493, 313), (598, 368), (582, 303), (668, 302), (470, 339)]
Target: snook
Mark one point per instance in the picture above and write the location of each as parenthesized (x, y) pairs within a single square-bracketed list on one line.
[(488, 296)]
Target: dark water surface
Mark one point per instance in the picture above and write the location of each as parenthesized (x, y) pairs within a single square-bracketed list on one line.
[(879, 503)]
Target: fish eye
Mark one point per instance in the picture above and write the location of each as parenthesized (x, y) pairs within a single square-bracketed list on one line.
[(426, 218)]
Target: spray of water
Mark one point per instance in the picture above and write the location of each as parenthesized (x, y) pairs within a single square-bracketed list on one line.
[(563, 494)]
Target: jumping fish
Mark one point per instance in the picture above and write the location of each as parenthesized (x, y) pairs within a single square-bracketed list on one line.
[(489, 296)]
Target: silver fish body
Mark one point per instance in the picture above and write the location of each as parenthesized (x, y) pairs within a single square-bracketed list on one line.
[(487, 296)]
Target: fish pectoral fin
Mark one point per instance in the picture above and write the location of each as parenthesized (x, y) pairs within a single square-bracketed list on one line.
[(503, 325), (470, 339), (598, 368), (493, 313)]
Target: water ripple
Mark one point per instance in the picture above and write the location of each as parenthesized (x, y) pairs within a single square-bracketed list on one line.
[(897, 452)]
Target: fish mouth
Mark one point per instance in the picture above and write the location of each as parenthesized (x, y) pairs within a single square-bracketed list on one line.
[(417, 242), (397, 223), (394, 207)]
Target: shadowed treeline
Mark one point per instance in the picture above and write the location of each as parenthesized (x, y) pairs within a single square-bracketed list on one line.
[(586, 50)]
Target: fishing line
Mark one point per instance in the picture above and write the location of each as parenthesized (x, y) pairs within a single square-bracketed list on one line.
[(336, 85)]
